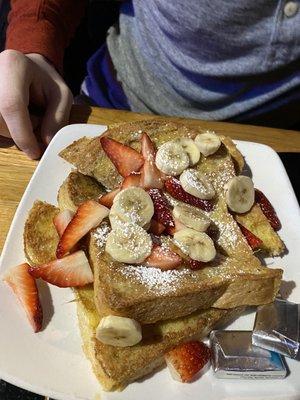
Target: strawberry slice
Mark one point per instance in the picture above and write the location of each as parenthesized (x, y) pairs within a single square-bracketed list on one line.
[(162, 212), (187, 359), (174, 188), (267, 209), (163, 258), (125, 159), (151, 176), (88, 215), (108, 198), (71, 271), (253, 241), (156, 227), (132, 180), (177, 227), (25, 288), (62, 220)]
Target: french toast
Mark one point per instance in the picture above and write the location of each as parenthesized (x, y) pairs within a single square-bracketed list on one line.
[(173, 305), (234, 278), (116, 367)]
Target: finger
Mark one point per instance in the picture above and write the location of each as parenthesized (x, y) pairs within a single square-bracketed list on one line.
[(16, 117), (57, 113)]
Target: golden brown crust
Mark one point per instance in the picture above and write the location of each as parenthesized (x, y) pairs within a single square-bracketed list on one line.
[(236, 155), (116, 367), (40, 236), (76, 189)]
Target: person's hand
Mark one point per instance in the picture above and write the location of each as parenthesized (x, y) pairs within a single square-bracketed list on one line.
[(31, 79)]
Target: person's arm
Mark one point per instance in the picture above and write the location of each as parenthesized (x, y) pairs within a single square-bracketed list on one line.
[(43, 26), (37, 35)]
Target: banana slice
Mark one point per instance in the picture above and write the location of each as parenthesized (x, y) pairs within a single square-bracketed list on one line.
[(192, 217), (208, 143), (239, 194), (171, 158), (133, 205), (128, 243), (119, 331), (197, 245), (196, 184), (191, 149)]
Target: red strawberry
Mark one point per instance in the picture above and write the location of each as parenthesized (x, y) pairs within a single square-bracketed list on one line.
[(151, 176), (125, 159), (162, 212), (108, 198), (267, 209), (88, 215), (156, 227), (194, 264), (253, 241), (62, 220), (163, 258), (178, 226), (24, 286), (174, 188), (187, 359), (131, 180), (70, 271)]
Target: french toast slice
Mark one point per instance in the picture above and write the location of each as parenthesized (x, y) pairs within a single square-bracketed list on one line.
[(116, 367), (76, 189)]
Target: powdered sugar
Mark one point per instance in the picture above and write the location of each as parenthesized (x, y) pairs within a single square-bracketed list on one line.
[(101, 233)]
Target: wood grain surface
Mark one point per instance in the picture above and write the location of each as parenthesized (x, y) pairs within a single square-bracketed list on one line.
[(16, 169)]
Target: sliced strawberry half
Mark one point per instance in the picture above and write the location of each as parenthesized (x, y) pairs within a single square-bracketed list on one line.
[(25, 288), (88, 215), (71, 271), (61, 221), (174, 188), (253, 241), (108, 198), (156, 227), (177, 227), (132, 180), (163, 258), (125, 158), (162, 212), (151, 176), (267, 209), (187, 359)]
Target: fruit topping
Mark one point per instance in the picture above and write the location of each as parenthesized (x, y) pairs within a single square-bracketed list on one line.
[(267, 209), (174, 188), (187, 359), (208, 143), (108, 198), (119, 331), (88, 216), (162, 211), (71, 271), (191, 217), (196, 184), (254, 242), (171, 158), (125, 158), (151, 176), (25, 288), (191, 149), (128, 243), (239, 194), (62, 220), (197, 245), (164, 258), (133, 205)]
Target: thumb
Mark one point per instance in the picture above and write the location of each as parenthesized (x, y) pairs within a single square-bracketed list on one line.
[(56, 114)]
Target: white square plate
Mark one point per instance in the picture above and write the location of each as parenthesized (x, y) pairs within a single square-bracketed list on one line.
[(52, 362)]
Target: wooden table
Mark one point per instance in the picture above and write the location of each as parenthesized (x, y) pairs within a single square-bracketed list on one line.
[(16, 169)]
